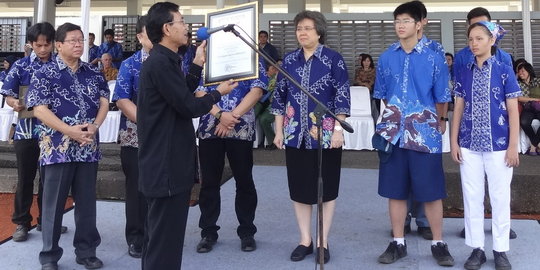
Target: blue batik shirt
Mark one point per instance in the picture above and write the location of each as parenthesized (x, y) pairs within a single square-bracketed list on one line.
[(127, 86), (412, 83), (93, 53), (245, 130), (20, 75), (325, 76), (187, 58), (74, 97), (484, 125), (114, 49)]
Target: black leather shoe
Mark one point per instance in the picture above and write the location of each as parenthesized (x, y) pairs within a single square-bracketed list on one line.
[(206, 244), (475, 261), (393, 252), (442, 255), (248, 244), (425, 232), (134, 251), (90, 262), (20, 234), (50, 266), (501, 261), (301, 251), (63, 229), (326, 255)]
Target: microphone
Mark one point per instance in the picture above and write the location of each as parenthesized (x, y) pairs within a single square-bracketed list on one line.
[(204, 33)]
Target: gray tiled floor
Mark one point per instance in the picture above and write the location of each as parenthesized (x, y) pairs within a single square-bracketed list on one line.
[(359, 234)]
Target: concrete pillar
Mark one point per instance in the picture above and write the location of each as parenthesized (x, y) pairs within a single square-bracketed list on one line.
[(326, 6), (85, 25), (536, 5), (527, 33), (44, 11), (134, 7), (295, 6), (261, 6), (220, 4)]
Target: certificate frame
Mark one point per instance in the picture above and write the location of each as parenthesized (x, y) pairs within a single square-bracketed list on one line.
[(227, 56)]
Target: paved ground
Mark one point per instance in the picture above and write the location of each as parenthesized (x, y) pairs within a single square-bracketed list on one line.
[(359, 234)]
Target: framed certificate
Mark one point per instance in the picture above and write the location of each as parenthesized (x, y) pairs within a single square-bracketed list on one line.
[(227, 56)]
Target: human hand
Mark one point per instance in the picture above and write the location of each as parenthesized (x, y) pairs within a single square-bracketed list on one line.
[(278, 140), (226, 87), (222, 130), (511, 157), (200, 54), (80, 134), (229, 119), (16, 105), (337, 139), (442, 126), (455, 151)]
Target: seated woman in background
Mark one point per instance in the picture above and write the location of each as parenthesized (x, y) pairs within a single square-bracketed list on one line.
[(365, 76), (530, 86)]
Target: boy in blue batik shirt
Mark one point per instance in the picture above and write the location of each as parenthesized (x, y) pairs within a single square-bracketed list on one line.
[(413, 82)]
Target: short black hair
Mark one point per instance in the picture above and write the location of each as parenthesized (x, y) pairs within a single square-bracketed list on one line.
[(529, 68), (422, 8), (159, 14), (92, 34), (518, 63), (409, 8), (63, 29), (263, 32), (141, 23), (318, 19), (108, 32), (449, 54), (43, 28), (478, 12)]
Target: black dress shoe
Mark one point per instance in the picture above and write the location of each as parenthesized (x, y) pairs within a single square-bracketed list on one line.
[(134, 251), (50, 266), (90, 262), (475, 261), (326, 255), (425, 232), (206, 244), (301, 251), (501, 261), (248, 243)]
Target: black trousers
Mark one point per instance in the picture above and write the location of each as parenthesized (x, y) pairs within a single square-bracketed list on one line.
[(165, 228), (57, 181), (525, 121), (136, 206), (27, 153), (212, 157)]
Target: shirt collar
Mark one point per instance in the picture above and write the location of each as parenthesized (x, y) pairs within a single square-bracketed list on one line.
[(34, 57), (144, 55), (489, 62), (166, 51), (418, 47), (317, 53), (62, 65)]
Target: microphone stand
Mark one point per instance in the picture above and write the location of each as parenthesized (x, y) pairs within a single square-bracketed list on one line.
[(319, 111)]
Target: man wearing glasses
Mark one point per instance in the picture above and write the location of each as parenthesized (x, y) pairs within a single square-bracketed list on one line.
[(70, 97)]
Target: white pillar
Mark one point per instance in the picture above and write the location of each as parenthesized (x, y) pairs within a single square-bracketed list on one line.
[(85, 25), (134, 7), (326, 6), (527, 35), (295, 6), (44, 11)]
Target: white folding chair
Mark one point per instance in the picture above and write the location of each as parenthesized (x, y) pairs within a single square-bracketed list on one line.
[(360, 119)]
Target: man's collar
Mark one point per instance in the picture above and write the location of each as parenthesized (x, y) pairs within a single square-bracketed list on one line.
[(62, 65), (418, 47), (166, 51)]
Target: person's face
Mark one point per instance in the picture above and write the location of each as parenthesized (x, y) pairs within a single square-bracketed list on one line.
[(449, 60), (91, 40), (42, 48), (478, 19), (406, 27), (263, 38), (306, 33), (144, 40), (366, 62), (6, 64), (72, 46), (523, 74), (480, 42), (177, 30), (109, 38), (106, 60)]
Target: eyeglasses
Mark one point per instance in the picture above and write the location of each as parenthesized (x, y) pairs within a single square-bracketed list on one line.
[(177, 21), (406, 21), (305, 28), (74, 41)]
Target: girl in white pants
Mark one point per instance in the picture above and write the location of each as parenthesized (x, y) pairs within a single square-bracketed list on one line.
[(484, 140)]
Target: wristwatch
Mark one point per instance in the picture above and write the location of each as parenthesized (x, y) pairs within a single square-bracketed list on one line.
[(444, 118), (338, 128), (218, 115)]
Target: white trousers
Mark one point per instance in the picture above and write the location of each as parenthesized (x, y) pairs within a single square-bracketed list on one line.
[(474, 167)]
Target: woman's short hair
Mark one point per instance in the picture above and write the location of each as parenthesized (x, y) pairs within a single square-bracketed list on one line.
[(63, 29), (363, 57), (318, 19), (159, 14)]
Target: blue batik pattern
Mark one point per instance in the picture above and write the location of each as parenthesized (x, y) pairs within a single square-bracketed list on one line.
[(484, 126), (74, 97), (20, 75)]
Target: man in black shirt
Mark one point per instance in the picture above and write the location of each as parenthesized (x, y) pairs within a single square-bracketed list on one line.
[(265, 46), (165, 108)]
